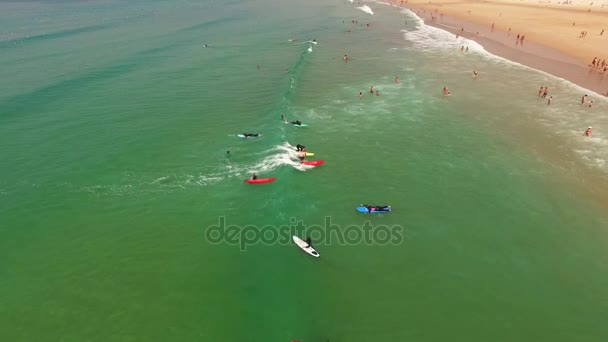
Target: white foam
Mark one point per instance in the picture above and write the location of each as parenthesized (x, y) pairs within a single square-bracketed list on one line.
[(366, 9)]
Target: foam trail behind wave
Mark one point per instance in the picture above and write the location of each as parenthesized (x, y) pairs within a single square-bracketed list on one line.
[(366, 9)]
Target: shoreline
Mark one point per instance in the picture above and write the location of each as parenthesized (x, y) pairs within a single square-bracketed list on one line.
[(531, 54)]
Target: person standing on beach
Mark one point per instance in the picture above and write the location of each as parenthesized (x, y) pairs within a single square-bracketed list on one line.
[(521, 40), (590, 103), (601, 33), (549, 100), (467, 49), (545, 92), (583, 99), (474, 74), (517, 40), (540, 92)]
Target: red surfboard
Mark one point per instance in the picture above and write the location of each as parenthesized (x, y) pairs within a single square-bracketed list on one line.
[(314, 162), (260, 180)]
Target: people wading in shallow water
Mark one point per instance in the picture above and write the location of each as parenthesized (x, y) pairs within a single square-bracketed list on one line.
[(446, 91), (396, 79), (345, 58), (588, 132)]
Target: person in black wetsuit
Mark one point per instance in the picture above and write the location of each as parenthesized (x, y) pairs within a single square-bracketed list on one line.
[(309, 242), (300, 147), (297, 122), (250, 134), (254, 176)]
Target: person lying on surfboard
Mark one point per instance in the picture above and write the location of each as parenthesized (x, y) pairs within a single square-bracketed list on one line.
[(251, 134), (297, 122), (371, 208), (302, 155)]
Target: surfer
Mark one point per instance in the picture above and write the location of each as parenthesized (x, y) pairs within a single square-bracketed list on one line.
[(308, 242), (300, 147), (302, 155), (254, 176), (297, 122), (205, 45), (588, 132), (283, 118), (250, 134), (228, 154)]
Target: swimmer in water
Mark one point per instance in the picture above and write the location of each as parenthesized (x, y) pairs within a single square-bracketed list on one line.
[(446, 91), (588, 132), (377, 93), (371, 89), (345, 58), (396, 79), (360, 95), (475, 74), (228, 154)]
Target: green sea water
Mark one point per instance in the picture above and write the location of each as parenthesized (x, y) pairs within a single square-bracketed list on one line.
[(114, 126)]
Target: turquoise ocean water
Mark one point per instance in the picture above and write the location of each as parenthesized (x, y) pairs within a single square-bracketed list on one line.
[(114, 126)]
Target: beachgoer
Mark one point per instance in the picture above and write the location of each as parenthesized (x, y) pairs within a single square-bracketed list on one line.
[(545, 92), (360, 95), (396, 79), (475, 74), (540, 91), (371, 89), (228, 154), (467, 49), (549, 100), (583, 99), (377, 93), (588, 132), (302, 156), (446, 91), (345, 58), (590, 103)]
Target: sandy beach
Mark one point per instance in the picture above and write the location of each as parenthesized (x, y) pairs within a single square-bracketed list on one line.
[(561, 39)]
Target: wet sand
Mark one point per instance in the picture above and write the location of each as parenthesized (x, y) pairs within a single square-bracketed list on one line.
[(501, 42)]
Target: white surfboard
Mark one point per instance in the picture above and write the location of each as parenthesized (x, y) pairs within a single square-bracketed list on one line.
[(303, 245)]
